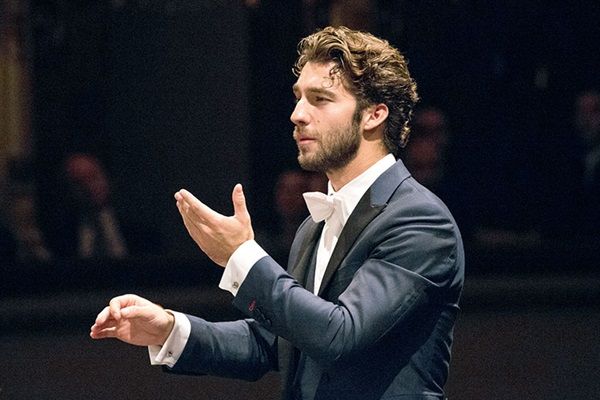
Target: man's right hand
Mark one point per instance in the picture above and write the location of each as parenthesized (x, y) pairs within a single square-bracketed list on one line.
[(134, 320)]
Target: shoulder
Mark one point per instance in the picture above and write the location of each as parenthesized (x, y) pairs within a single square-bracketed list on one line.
[(414, 196), (416, 230)]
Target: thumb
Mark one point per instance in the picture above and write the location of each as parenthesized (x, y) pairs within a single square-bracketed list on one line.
[(239, 202)]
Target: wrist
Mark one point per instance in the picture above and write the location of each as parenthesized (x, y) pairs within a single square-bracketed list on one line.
[(168, 327)]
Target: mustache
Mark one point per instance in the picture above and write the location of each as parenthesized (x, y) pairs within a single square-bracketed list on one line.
[(302, 132)]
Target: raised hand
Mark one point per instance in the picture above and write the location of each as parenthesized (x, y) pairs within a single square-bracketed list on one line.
[(217, 235), (134, 320)]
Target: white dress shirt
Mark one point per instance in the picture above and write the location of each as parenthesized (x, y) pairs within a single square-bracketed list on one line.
[(242, 260)]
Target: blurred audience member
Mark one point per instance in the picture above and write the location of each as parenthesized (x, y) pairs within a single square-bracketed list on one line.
[(574, 182), (98, 231), (31, 245), (290, 208), (427, 157), (22, 239), (82, 217), (587, 122), (426, 154)]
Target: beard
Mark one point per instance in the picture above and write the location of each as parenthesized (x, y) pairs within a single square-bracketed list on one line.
[(337, 147)]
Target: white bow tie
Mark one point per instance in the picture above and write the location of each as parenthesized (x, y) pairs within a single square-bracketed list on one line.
[(322, 206)]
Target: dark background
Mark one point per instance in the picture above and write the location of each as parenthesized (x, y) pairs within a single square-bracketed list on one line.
[(196, 94), (159, 93)]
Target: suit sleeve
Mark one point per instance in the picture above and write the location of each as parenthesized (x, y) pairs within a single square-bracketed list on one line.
[(238, 349), (409, 263)]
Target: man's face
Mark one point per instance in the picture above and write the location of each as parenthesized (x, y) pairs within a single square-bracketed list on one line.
[(587, 117), (327, 128), (89, 180)]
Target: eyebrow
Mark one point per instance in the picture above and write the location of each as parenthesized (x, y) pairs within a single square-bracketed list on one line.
[(313, 90)]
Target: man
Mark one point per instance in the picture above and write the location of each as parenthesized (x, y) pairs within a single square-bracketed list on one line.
[(573, 212), (426, 156), (97, 229), (88, 224), (367, 306)]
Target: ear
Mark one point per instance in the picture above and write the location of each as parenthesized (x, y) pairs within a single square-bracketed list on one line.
[(374, 116)]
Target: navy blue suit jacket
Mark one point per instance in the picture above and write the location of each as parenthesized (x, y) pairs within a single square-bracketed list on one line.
[(381, 326)]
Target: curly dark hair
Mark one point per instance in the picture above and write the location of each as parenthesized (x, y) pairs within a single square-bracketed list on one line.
[(372, 69)]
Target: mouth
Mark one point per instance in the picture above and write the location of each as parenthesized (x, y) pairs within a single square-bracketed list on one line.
[(302, 138), (305, 140)]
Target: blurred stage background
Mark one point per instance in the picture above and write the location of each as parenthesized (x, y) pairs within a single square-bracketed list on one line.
[(197, 94)]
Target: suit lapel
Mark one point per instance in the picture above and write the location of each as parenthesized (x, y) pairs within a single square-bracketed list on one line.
[(359, 219), (302, 262), (370, 205)]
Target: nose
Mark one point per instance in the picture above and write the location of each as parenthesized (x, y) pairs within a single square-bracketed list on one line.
[(299, 115)]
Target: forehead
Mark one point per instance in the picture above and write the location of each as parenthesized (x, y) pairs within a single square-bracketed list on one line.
[(318, 76)]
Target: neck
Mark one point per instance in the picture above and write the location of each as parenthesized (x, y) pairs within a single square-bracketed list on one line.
[(363, 161)]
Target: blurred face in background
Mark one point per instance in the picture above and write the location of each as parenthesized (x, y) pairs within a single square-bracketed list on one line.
[(289, 202), (587, 117), (88, 179), (425, 154)]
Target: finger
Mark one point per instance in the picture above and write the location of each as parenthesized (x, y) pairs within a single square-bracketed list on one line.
[(184, 210), (180, 205), (197, 232), (117, 303), (185, 197), (104, 333), (115, 308), (239, 203), (106, 325), (201, 211), (137, 312), (193, 227), (103, 316)]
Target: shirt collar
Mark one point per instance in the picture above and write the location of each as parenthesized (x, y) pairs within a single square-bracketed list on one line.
[(353, 191)]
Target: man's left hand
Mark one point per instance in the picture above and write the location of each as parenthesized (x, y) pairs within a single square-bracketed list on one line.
[(217, 235)]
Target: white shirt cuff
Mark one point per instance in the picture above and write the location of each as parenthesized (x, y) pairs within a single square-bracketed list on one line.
[(239, 264), (171, 350)]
